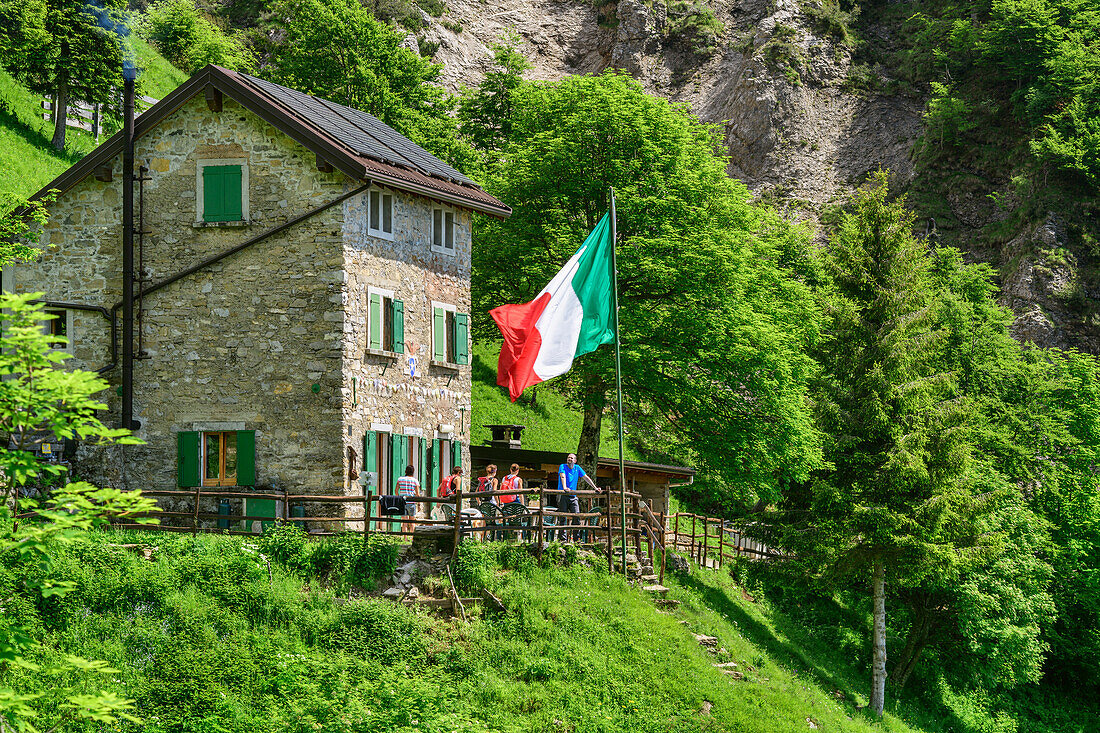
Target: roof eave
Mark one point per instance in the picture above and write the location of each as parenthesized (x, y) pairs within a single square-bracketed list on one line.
[(227, 83)]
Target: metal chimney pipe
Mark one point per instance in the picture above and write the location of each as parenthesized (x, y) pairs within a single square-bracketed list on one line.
[(129, 74)]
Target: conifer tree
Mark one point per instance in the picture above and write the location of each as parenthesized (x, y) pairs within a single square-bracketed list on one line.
[(894, 503), (70, 49)]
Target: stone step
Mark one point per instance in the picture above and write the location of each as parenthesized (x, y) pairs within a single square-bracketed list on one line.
[(648, 578), (657, 589), (666, 603)]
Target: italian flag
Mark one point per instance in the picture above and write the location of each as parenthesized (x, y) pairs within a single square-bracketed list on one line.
[(571, 316)]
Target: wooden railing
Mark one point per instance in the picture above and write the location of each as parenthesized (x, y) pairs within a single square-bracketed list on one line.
[(713, 540), (707, 540)]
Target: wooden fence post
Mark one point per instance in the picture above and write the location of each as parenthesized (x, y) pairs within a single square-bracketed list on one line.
[(286, 506), (610, 536), (366, 513), (458, 519), (195, 516), (541, 536), (636, 511), (692, 552), (721, 537)]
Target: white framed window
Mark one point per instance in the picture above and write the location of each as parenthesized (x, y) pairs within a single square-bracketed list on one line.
[(443, 230), (380, 213), (61, 325), (221, 191), (385, 322), (450, 334)]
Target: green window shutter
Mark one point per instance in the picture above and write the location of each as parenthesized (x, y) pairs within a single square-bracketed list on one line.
[(246, 457), (187, 459), (398, 452), (222, 198), (439, 334), (425, 474), (437, 465), (462, 336), (374, 340), (398, 327), (370, 452), (456, 453)]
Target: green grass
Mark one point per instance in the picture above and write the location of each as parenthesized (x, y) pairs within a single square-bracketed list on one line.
[(552, 424), (27, 159), (158, 77), (207, 636)]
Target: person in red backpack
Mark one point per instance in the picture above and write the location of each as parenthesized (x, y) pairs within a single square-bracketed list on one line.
[(450, 484), (488, 482), (512, 483)]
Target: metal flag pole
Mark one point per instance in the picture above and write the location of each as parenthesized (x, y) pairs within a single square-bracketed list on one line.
[(618, 377)]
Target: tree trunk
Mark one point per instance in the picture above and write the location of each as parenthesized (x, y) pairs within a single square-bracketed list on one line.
[(878, 664), (588, 447), (61, 114), (914, 645)]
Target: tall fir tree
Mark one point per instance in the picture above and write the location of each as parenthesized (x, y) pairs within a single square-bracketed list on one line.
[(895, 503), (71, 50)]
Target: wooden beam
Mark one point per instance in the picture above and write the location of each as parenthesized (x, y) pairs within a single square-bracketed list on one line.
[(213, 98), (323, 165), (104, 173)]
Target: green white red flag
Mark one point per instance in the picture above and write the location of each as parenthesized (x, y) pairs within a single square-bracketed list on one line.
[(572, 315)]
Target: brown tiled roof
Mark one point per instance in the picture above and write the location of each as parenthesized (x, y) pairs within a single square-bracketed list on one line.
[(352, 141)]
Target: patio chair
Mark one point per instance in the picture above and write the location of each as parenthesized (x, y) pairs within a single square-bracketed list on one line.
[(448, 511), (515, 514), (549, 519), (490, 512)]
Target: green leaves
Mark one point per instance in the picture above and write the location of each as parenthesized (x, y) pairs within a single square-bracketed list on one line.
[(714, 316), (190, 39)]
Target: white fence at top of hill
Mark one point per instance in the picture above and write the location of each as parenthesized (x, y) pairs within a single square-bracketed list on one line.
[(89, 117)]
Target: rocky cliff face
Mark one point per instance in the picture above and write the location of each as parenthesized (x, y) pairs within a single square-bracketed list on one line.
[(802, 124), (789, 124)]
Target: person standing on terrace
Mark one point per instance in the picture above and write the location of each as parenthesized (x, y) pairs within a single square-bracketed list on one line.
[(569, 473), (408, 487)]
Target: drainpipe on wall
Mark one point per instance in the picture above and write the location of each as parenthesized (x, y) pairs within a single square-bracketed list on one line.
[(128, 249)]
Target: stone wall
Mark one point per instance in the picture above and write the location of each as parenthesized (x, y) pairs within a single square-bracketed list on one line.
[(406, 392)]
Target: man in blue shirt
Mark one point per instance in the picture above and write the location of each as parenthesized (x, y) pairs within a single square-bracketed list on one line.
[(569, 474)]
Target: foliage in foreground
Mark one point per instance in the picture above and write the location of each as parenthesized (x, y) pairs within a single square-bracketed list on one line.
[(37, 398), (206, 636)]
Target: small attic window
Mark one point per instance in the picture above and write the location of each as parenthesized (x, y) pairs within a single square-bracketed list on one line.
[(222, 191), (380, 216)]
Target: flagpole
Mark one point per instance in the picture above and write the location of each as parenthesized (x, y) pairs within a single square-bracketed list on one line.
[(618, 377)]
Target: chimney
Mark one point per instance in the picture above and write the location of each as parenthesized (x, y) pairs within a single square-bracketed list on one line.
[(505, 436)]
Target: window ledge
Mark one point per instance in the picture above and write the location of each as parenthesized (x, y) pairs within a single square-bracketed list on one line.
[(445, 365), (391, 355), (220, 224), (441, 250)]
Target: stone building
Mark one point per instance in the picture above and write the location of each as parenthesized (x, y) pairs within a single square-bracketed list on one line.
[(303, 274)]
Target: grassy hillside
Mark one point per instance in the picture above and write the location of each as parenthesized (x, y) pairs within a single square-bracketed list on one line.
[(206, 636), (27, 160), (551, 423)]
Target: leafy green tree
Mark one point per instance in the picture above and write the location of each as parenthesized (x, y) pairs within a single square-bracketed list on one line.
[(337, 50), (70, 49), (191, 39), (20, 226), (486, 110), (715, 324), (37, 397)]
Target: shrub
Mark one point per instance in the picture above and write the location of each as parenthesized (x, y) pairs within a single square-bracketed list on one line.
[(695, 24), (377, 630), (474, 564), (829, 18), (190, 39)]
